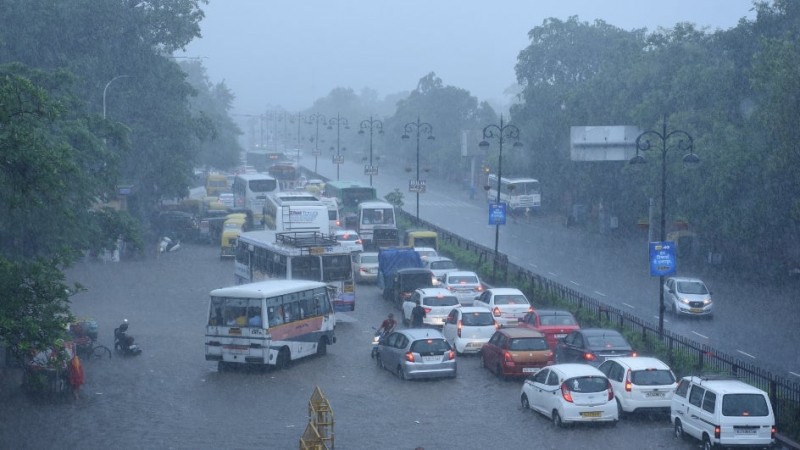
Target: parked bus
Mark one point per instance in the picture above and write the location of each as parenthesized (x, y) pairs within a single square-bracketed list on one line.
[(295, 211), (269, 323), (265, 254), (349, 194), (250, 192), (518, 193)]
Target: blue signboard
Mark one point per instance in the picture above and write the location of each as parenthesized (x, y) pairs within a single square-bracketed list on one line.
[(662, 258), (497, 213)]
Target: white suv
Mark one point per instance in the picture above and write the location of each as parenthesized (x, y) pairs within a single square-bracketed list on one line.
[(640, 383), (722, 412)]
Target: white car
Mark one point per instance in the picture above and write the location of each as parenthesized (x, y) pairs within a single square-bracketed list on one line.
[(640, 383), (350, 240), (508, 305), (437, 302), (688, 296), (570, 393), (426, 252), (365, 267), (440, 265), (468, 328), (464, 284)]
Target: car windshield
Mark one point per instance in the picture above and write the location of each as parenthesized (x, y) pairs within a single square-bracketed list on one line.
[(692, 287), (529, 343), (440, 301), (369, 259), (587, 384), (607, 341), (442, 265), (738, 405), (463, 279), (430, 346), (510, 300), (477, 319), (558, 319), (652, 377)]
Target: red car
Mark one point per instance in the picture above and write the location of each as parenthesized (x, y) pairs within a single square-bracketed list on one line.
[(554, 323), (516, 352)]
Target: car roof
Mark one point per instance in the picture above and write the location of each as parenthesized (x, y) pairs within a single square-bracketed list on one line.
[(474, 309), (461, 273), (520, 332), (570, 370), (433, 292), (698, 280), (424, 249), (436, 259), (640, 362), (414, 270), (422, 333), (552, 312), (505, 291), (598, 332), (725, 386)]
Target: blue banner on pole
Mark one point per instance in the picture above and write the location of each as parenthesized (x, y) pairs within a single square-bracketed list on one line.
[(662, 258), (497, 213)]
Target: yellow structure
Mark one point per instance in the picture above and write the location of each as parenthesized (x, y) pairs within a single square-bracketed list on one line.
[(318, 435)]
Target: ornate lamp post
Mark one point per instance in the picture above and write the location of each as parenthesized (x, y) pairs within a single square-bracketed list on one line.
[(501, 133), (683, 142), (106, 89), (338, 159), (371, 125), (315, 119), (419, 128)]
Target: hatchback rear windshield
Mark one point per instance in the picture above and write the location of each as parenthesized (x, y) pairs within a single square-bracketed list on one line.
[(587, 384), (477, 319), (738, 405), (608, 341), (510, 300), (430, 346), (369, 259), (463, 280), (440, 301), (652, 377), (531, 344), (557, 320)]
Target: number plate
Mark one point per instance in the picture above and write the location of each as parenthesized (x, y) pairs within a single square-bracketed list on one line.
[(428, 359), (530, 369), (561, 336), (696, 310), (654, 394), (590, 414), (746, 431)]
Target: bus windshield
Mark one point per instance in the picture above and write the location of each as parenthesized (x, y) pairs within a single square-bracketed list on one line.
[(351, 197), (266, 185)]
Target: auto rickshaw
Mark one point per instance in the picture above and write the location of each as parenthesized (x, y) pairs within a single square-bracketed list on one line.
[(231, 229)]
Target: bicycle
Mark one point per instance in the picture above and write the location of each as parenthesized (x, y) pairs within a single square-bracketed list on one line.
[(84, 334)]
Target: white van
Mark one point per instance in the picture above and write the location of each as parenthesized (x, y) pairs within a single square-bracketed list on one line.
[(722, 412)]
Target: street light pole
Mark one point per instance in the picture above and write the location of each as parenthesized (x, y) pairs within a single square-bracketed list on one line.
[(690, 160), (106, 89), (371, 125), (338, 160), (501, 133), (419, 128), (315, 119)]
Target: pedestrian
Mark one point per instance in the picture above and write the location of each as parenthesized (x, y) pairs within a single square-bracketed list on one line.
[(417, 315), (76, 376)]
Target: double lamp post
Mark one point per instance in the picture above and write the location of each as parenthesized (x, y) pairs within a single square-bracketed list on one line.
[(420, 128)]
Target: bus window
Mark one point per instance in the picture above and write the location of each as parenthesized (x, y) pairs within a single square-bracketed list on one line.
[(337, 268), (306, 268)]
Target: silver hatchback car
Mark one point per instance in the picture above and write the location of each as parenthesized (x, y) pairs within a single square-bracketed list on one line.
[(417, 353), (688, 296)]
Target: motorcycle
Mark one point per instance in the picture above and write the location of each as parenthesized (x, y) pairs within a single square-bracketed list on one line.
[(123, 343), (376, 340), (168, 244)]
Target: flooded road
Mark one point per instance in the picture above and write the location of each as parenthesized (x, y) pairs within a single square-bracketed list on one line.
[(170, 397)]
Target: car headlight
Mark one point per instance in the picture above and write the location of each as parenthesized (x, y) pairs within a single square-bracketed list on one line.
[(685, 301), (707, 301)]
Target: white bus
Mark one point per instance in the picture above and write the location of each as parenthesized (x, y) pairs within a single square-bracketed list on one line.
[(250, 191), (295, 211), (269, 323), (265, 254), (376, 215), (333, 211), (517, 193)]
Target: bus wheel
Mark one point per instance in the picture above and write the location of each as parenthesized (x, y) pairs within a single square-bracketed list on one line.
[(282, 361), (322, 347)]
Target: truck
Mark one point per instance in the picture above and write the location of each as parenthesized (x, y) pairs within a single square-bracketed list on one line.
[(401, 272)]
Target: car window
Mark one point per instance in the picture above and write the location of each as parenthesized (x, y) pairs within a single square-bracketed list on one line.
[(587, 384), (528, 344), (541, 377), (510, 300), (369, 259), (738, 405), (453, 317), (682, 388), (696, 395), (552, 379), (462, 280), (708, 401), (449, 300), (391, 341), (477, 319), (427, 346), (652, 377), (495, 338)]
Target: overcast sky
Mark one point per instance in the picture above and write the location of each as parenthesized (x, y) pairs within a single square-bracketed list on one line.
[(288, 53)]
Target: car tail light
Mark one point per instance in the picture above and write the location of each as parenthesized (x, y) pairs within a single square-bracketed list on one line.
[(427, 309), (628, 384), (459, 327), (634, 354), (774, 431), (565, 392), (409, 357), (362, 270), (508, 359), (717, 431), (478, 288), (451, 355), (497, 325), (496, 311), (358, 241), (530, 310), (589, 356), (550, 357), (610, 390)]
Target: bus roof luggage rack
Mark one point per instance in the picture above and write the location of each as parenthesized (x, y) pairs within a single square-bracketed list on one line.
[(305, 239)]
